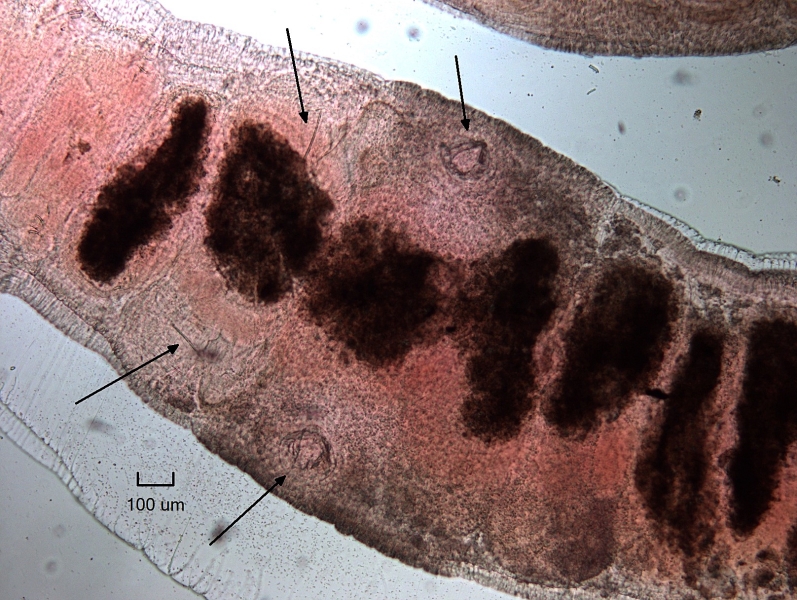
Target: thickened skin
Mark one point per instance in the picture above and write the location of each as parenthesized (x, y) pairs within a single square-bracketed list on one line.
[(462, 348), (640, 27)]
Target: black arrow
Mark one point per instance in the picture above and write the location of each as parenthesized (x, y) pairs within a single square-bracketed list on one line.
[(465, 120), (302, 114), (170, 350), (279, 481)]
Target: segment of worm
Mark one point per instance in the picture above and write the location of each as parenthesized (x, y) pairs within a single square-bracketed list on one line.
[(455, 344), (641, 27)]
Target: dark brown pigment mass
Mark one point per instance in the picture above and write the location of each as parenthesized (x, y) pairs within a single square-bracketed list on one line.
[(514, 302), (264, 223), (138, 204), (613, 347), (767, 421), (373, 292), (671, 474)]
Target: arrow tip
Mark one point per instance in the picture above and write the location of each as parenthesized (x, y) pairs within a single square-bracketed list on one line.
[(172, 348), (466, 124), (303, 115), (280, 480)]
